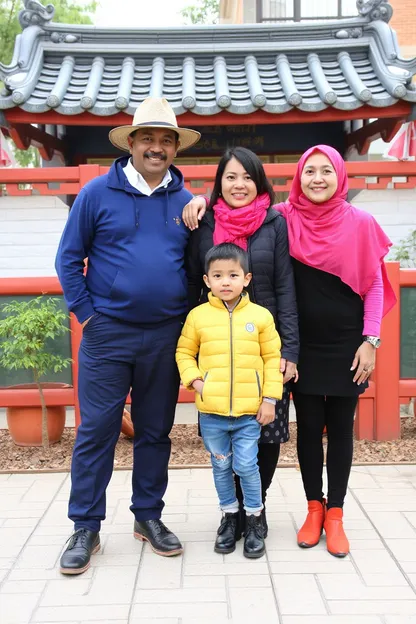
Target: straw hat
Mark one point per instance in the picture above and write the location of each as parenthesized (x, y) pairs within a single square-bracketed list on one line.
[(153, 113)]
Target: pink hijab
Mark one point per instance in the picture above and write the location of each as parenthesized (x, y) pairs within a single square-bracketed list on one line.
[(334, 236)]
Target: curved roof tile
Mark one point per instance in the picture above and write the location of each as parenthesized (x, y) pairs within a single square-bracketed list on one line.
[(342, 64)]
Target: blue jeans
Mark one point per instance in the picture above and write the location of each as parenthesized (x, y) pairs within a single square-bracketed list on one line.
[(233, 444)]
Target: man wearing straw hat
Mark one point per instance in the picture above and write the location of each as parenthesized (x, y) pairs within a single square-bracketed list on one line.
[(131, 304)]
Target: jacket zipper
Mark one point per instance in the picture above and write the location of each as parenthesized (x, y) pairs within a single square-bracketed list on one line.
[(258, 383), (232, 364)]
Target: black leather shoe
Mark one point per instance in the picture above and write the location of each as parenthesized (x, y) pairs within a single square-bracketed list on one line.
[(162, 541), (228, 533), (76, 557), (254, 537)]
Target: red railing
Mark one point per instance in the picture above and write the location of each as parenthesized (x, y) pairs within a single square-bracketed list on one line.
[(378, 414), (199, 178)]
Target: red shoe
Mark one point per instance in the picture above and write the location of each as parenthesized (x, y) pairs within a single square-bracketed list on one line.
[(311, 530), (336, 540)]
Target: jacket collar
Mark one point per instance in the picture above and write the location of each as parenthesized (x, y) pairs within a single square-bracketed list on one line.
[(217, 303)]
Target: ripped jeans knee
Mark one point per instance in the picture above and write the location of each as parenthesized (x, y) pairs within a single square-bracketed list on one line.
[(222, 462)]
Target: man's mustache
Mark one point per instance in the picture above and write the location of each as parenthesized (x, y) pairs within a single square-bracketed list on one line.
[(154, 155)]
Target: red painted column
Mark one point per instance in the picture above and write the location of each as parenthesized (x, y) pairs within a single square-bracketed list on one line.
[(387, 373)]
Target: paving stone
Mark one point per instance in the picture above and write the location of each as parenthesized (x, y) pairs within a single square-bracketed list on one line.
[(160, 572), (252, 606), (13, 611), (213, 569), (202, 552), (97, 613), (332, 566), (298, 594), (403, 549), (394, 578), (115, 544), (232, 589), (40, 574), (393, 525), (411, 517), (362, 544), (30, 587), (372, 561), (183, 596), (215, 582), (330, 619), (181, 610), (151, 620), (360, 480), (38, 557), (249, 581), (380, 607), (343, 587)]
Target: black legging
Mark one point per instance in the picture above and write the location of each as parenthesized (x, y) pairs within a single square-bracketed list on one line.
[(313, 413), (267, 458)]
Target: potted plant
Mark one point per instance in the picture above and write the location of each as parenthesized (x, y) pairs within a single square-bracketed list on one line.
[(26, 333)]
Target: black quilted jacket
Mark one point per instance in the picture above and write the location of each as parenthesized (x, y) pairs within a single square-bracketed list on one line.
[(272, 285)]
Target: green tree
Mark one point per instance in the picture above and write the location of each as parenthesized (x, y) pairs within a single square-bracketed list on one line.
[(66, 12), (405, 251), (26, 334), (202, 12)]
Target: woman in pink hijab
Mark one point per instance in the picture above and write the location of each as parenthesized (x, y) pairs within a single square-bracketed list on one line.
[(342, 293)]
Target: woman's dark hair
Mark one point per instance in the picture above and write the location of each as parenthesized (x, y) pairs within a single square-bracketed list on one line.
[(254, 167), (227, 251)]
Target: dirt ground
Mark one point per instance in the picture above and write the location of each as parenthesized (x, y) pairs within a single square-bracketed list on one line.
[(187, 449)]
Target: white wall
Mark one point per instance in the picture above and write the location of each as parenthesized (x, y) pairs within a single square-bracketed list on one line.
[(394, 209), (30, 229)]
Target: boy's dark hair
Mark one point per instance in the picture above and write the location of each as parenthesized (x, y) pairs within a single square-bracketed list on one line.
[(227, 251), (254, 167)]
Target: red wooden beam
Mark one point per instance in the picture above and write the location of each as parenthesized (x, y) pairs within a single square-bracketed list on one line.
[(407, 277), (384, 128), (224, 118), (407, 388), (30, 286), (25, 135)]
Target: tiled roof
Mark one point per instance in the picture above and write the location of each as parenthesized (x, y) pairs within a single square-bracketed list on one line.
[(343, 64)]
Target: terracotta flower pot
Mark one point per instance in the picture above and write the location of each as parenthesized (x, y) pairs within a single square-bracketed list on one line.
[(25, 422)]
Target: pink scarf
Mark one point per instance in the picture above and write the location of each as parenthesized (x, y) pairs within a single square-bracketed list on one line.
[(334, 236), (236, 225)]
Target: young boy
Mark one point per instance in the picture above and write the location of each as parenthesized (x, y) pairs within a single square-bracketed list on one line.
[(237, 381)]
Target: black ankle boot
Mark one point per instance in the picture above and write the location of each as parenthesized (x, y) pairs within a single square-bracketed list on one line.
[(264, 520), (227, 534), (254, 540), (76, 557)]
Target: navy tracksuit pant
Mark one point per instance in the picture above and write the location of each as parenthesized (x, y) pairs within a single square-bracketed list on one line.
[(115, 356)]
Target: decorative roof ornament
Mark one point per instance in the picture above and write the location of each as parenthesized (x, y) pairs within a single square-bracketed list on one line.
[(35, 14), (64, 37), (349, 33), (375, 10)]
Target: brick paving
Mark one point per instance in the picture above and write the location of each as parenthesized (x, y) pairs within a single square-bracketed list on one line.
[(128, 584)]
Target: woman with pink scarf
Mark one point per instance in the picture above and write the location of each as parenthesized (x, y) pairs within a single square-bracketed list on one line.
[(342, 292), (241, 212)]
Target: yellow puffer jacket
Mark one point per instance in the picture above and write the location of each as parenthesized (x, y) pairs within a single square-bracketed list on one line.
[(239, 356)]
